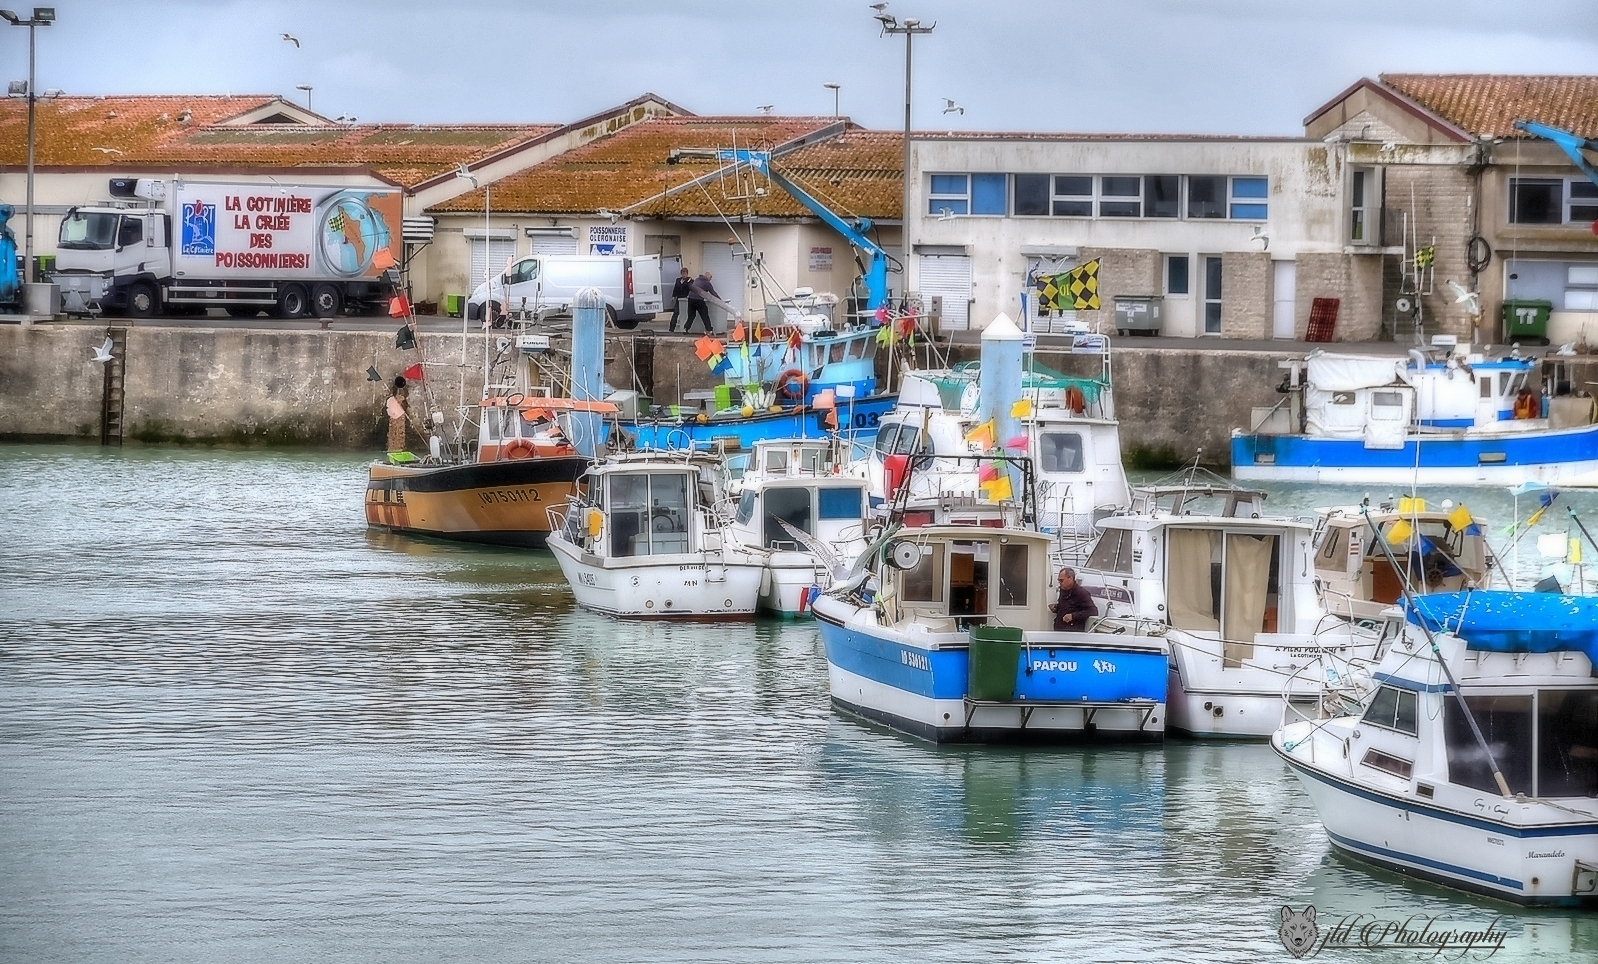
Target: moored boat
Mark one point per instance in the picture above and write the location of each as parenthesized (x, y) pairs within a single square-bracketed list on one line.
[(1475, 762), (1365, 556)]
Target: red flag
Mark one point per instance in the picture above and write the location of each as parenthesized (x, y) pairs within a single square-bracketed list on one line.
[(399, 307), (795, 339), (413, 373)]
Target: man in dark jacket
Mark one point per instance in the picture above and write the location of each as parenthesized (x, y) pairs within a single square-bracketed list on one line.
[(696, 302), (679, 294), (1075, 607)]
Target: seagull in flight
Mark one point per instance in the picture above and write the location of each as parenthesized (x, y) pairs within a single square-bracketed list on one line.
[(102, 354), (292, 39), (950, 107)]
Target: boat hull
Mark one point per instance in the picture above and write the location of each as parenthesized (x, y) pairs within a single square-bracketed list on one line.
[(497, 503), (789, 582), (677, 586), (1534, 865), (1457, 459), (857, 418), (1069, 687)]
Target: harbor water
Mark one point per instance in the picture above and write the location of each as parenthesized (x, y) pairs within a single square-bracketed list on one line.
[(235, 725)]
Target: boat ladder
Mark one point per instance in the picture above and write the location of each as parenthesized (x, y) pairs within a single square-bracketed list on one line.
[(1089, 709), (112, 395)]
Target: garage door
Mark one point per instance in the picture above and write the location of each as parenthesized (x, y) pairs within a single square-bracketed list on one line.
[(552, 244), (948, 275), (496, 254)]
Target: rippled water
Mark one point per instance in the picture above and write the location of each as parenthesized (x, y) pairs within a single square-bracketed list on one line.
[(236, 726)]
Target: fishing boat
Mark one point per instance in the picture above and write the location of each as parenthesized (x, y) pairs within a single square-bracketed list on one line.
[(946, 633), (1366, 555), (495, 491), (1444, 417), (1231, 592), (642, 541), (793, 506), (1475, 762)]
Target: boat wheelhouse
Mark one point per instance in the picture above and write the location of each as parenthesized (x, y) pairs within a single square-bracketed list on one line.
[(1367, 556), (1474, 764)]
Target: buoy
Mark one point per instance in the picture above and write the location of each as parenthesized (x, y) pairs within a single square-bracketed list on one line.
[(519, 449), (792, 383), (747, 410)]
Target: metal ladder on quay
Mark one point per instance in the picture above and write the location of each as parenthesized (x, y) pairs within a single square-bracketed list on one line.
[(112, 396)]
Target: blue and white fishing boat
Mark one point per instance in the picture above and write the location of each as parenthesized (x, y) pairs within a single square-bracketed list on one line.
[(1443, 417), (1475, 762), (947, 635)]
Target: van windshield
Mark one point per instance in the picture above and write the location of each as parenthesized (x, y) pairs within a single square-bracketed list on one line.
[(525, 270)]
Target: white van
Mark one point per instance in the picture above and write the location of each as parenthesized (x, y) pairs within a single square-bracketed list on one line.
[(543, 285)]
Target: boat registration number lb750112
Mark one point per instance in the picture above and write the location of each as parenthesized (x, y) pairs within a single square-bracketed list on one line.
[(508, 496)]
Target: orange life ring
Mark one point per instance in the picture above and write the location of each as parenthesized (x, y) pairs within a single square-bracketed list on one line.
[(793, 383), (1075, 400), (518, 449)]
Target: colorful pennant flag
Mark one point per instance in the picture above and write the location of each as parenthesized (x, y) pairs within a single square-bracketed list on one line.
[(824, 399), (1082, 286), (982, 435), (1398, 533), (399, 307), (1016, 442), (1408, 505), (413, 373), (795, 339), (999, 489), (1575, 551), (705, 347), (1021, 409), (1459, 520), (987, 472)]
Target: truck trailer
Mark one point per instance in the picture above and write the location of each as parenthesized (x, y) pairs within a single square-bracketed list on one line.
[(181, 246)]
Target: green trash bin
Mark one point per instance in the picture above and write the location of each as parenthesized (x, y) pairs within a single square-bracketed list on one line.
[(1525, 319), (995, 661), (454, 305)]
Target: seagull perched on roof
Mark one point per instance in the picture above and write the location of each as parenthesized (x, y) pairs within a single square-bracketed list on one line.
[(106, 150), (765, 108), (950, 107), (292, 39), (879, 7)]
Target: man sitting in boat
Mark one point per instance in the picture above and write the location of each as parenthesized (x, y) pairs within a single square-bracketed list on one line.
[(1075, 606)]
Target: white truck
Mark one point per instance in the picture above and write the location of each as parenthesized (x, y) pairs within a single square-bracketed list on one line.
[(182, 246), (542, 285)]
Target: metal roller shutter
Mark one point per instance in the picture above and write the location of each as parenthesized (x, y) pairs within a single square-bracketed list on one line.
[(552, 244), (948, 275), (497, 253)]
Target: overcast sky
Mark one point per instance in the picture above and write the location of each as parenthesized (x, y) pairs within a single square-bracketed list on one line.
[(1202, 66)]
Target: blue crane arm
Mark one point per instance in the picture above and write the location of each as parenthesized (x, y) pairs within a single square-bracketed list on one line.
[(876, 260), (1568, 142)]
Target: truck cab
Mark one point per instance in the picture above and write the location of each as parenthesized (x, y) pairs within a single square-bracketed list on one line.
[(103, 250)]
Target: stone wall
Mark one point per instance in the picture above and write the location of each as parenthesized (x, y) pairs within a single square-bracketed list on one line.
[(1246, 295), (1356, 279)]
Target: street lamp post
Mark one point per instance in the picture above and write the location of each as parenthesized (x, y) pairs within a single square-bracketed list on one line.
[(834, 88), (307, 89), (42, 17), (910, 27)]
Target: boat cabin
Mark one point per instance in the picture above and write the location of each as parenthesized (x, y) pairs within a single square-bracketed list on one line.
[(638, 507), (522, 427), (1426, 550), (949, 578)]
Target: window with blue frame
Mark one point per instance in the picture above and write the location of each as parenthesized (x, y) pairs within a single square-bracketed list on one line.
[(957, 194), (840, 503), (1249, 198)]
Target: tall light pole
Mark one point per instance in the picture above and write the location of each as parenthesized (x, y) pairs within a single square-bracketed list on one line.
[(910, 27), (834, 88), (307, 89), (42, 17)]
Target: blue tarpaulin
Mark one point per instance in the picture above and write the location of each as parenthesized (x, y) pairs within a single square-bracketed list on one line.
[(1501, 621)]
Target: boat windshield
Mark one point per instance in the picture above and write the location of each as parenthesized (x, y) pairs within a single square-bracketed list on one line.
[(88, 232)]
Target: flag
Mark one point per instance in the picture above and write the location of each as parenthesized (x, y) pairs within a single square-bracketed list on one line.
[(987, 472), (881, 315), (1081, 288), (1021, 409), (1016, 442), (884, 336), (382, 259), (722, 365), (1409, 506), (1398, 533), (1536, 517), (824, 399), (999, 489), (982, 435), (1575, 551), (795, 339), (705, 347), (399, 307), (413, 373), (1459, 520), (738, 332)]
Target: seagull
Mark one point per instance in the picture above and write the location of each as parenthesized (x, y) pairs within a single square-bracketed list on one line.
[(765, 108), (1568, 348), (103, 353), (292, 39), (879, 7), (1470, 299), (106, 150), (950, 107)]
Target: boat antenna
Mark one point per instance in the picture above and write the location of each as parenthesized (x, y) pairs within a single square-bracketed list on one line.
[(1431, 641)]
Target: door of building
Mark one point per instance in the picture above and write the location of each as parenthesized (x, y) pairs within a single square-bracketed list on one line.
[(552, 244), (948, 275), (1286, 274), (726, 266)]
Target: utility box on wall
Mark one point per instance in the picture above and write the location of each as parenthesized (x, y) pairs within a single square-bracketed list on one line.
[(1138, 314)]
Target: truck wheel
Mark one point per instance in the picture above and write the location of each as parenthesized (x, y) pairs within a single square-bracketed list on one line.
[(144, 301), (326, 301), (292, 302)]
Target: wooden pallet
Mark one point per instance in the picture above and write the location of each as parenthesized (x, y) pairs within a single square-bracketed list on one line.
[(1322, 319)]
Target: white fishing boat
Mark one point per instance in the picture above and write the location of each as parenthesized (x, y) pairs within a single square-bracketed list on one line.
[(1233, 595), (1445, 417), (792, 506), (643, 542), (946, 634), (1475, 763), (1365, 556)]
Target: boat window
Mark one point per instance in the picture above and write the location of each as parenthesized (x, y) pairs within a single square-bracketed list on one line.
[(886, 437), (1331, 549), (1485, 382), (1388, 406), (492, 423), (1567, 743), (836, 354), (1387, 763), (1393, 709), (1505, 723), (810, 460), (746, 507), (1107, 555), (1013, 565), (535, 423), (776, 461), (790, 504), (924, 581), (1060, 451), (968, 581), (648, 513), (840, 503), (906, 442)]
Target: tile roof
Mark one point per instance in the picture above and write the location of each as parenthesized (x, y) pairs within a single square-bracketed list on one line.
[(860, 173), (146, 131), (1487, 105)]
